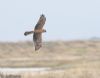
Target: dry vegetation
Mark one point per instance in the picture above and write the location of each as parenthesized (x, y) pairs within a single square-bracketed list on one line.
[(67, 59)]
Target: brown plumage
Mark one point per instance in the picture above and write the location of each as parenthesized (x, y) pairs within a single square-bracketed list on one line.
[(37, 33)]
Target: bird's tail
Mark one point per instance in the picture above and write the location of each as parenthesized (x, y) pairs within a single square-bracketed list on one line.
[(28, 32)]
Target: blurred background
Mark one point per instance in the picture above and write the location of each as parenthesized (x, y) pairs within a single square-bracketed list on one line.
[(66, 19), (71, 46)]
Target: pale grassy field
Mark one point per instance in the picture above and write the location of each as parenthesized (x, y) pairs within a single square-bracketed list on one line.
[(67, 59)]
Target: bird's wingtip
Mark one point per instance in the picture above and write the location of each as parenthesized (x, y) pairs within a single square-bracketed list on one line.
[(43, 15)]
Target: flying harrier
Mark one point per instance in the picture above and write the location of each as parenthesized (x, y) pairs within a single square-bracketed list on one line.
[(37, 32)]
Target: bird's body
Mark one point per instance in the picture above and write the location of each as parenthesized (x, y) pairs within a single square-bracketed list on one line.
[(37, 32)]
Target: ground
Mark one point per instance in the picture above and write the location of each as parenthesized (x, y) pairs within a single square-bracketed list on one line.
[(67, 59)]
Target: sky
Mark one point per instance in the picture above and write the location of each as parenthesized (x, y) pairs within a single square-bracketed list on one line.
[(65, 19)]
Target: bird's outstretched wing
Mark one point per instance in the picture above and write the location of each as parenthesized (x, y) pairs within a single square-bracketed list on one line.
[(40, 22), (37, 38)]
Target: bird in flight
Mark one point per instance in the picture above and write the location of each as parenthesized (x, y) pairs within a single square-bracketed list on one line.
[(37, 32)]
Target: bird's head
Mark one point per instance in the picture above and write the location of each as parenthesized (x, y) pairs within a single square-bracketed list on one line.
[(44, 30)]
